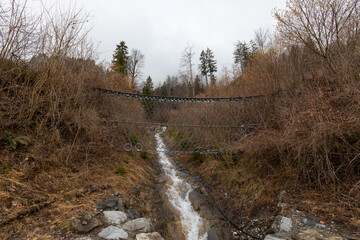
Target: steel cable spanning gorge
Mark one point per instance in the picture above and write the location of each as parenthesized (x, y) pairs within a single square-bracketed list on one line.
[(193, 125), (174, 126)]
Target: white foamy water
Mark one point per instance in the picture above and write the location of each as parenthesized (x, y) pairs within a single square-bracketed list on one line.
[(178, 193)]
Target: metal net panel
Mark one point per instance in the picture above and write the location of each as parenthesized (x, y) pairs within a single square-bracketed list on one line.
[(188, 125)]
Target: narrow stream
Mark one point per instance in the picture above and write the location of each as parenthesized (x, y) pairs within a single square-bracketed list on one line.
[(178, 190)]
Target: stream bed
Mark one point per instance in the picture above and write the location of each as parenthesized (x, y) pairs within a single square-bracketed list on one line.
[(178, 190)]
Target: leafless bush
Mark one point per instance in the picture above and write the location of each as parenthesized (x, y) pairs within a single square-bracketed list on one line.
[(47, 71)]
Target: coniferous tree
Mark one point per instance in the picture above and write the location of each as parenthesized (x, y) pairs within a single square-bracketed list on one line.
[(207, 65), (203, 67), (148, 88), (198, 88), (148, 104), (211, 62), (120, 58), (243, 53)]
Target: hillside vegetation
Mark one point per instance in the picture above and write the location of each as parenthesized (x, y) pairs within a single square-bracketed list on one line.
[(56, 154), (309, 142), (56, 148)]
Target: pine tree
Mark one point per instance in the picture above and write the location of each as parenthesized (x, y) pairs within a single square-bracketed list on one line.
[(211, 62), (120, 58), (148, 88), (203, 67), (243, 53), (148, 104), (207, 65), (198, 88)]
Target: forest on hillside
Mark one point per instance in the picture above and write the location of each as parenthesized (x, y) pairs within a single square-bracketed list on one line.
[(308, 141)]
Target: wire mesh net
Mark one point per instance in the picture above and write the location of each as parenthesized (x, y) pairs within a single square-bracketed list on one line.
[(188, 125)]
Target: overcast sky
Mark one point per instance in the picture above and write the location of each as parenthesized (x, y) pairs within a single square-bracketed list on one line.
[(161, 28)]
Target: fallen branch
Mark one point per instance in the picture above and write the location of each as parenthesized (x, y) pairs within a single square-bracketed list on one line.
[(26, 212)]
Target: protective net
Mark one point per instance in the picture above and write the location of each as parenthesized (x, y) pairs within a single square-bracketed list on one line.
[(188, 125)]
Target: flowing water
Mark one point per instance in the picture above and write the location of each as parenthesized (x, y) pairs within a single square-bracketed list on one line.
[(178, 191)]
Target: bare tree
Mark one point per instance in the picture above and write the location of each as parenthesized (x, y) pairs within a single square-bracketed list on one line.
[(262, 38), (135, 65), (324, 27), (187, 64), (17, 30)]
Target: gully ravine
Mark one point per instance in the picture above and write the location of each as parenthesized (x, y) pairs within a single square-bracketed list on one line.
[(193, 227)]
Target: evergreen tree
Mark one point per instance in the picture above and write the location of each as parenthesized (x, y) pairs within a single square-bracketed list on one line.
[(211, 62), (203, 67), (120, 58), (243, 53), (207, 65), (148, 104), (148, 88), (198, 88)]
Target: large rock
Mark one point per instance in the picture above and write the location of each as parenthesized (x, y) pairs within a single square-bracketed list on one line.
[(86, 223), (137, 225), (112, 204), (315, 234), (115, 217), (273, 237), (113, 233), (149, 236), (213, 233), (282, 224), (197, 199)]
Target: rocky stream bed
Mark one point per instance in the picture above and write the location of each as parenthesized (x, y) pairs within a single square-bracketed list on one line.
[(187, 211)]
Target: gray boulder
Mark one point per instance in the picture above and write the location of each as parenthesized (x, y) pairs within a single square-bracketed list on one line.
[(137, 225), (112, 204), (149, 236), (115, 217), (316, 234), (282, 224), (113, 233), (132, 213), (86, 223), (273, 237)]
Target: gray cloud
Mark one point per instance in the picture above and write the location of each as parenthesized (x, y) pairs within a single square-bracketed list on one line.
[(161, 28)]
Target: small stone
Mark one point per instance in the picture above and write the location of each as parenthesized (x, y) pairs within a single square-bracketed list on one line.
[(319, 225), (115, 217), (313, 222), (121, 206), (113, 233), (86, 223), (137, 225), (132, 213), (109, 205), (135, 190), (149, 236), (286, 224)]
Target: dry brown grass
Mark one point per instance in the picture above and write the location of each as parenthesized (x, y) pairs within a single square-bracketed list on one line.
[(46, 95), (309, 142)]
